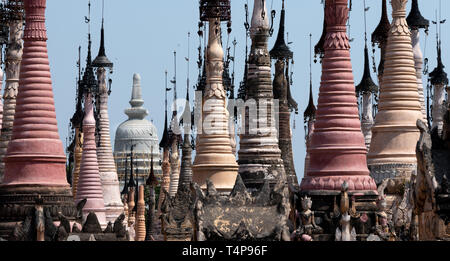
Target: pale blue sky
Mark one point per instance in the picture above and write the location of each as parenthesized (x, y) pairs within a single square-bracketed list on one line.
[(141, 36)]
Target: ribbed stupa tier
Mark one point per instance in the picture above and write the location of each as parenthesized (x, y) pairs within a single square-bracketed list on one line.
[(259, 153), (337, 150), (175, 168), (12, 62), (394, 135), (186, 163), (214, 158), (140, 216), (131, 210), (108, 172), (165, 184), (78, 155), (35, 160), (89, 182)]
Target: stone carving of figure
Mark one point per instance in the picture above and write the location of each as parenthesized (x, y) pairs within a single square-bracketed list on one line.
[(345, 232), (307, 225), (383, 229)]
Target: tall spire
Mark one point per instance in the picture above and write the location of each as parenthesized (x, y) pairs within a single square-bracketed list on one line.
[(281, 90), (101, 60), (165, 138), (214, 159), (259, 154), (310, 112), (89, 183), (399, 106), (337, 150), (108, 170), (35, 164), (186, 161), (13, 59), (365, 91)]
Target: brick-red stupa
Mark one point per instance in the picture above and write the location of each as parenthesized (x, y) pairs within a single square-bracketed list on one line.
[(337, 150), (35, 160)]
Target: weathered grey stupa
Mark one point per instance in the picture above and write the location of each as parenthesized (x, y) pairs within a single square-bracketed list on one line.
[(139, 132), (282, 91), (259, 154)]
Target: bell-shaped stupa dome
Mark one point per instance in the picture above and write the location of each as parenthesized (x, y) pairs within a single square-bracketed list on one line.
[(139, 133)]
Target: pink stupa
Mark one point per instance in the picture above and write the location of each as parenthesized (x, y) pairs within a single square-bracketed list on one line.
[(337, 149), (35, 161), (89, 183)]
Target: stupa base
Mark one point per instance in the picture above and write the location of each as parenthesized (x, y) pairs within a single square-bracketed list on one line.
[(254, 175), (19, 201), (333, 184), (223, 177), (113, 212), (398, 172)]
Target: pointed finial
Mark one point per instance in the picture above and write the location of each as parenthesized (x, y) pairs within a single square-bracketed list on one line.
[(310, 111), (280, 49), (415, 19), (260, 21), (136, 111), (380, 34), (101, 60), (165, 142)]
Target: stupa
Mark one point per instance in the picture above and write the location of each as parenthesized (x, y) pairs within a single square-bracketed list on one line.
[(175, 138), (380, 36), (186, 160), (165, 145), (214, 158), (140, 216), (281, 91), (13, 58), (416, 22), (439, 81), (35, 160), (337, 151), (259, 153), (77, 146), (139, 132), (309, 115), (395, 134), (366, 91), (151, 182), (89, 181), (107, 167)]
